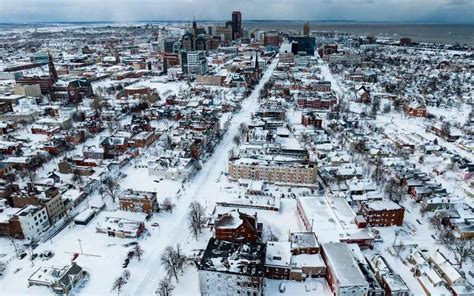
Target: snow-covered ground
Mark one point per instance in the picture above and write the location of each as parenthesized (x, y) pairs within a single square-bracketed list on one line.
[(103, 256)]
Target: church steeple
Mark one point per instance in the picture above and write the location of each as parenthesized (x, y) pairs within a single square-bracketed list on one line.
[(52, 70)]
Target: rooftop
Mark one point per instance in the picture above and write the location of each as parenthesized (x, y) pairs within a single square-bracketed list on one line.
[(245, 259)]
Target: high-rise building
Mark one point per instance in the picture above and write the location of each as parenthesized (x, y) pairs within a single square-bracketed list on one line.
[(236, 25), (306, 29)]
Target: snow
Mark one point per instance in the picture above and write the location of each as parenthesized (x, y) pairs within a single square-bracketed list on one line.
[(278, 254), (343, 265), (317, 286)]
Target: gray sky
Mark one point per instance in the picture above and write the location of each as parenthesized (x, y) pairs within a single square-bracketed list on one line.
[(438, 11)]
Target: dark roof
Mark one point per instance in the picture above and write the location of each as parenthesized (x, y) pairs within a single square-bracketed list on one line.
[(236, 258)]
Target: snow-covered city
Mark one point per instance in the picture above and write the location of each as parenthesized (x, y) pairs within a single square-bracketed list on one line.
[(218, 158)]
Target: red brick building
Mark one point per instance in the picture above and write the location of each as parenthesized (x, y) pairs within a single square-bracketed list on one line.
[(237, 226), (415, 109), (138, 201), (311, 119), (316, 103), (382, 213)]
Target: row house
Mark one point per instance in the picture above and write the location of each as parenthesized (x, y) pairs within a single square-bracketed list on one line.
[(316, 102), (143, 139), (390, 281), (48, 197), (47, 130)]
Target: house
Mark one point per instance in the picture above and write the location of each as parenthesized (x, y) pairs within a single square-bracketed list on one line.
[(9, 224), (428, 278), (173, 168), (310, 118), (235, 226), (228, 268), (60, 280), (415, 109), (446, 269), (382, 213), (363, 95), (343, 273), (390, 281), (138, 201)]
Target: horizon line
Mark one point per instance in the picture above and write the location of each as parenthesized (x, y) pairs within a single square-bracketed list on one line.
[(243, 21)]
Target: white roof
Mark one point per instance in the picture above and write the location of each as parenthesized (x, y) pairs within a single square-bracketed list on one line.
[(278, 254)]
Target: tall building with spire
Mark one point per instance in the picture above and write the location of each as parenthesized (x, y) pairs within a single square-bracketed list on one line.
[(306, 29)]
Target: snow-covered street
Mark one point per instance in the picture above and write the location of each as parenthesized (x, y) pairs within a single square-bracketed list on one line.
[(203, 188)]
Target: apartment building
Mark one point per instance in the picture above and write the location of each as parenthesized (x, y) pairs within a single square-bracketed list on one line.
[(272, 171)]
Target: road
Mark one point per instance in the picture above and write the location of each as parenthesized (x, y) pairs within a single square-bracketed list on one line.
[(202, 188)]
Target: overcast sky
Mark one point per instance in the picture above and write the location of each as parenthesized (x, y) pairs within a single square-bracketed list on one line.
[(438, 11)]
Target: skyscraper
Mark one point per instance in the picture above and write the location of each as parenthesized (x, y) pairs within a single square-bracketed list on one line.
[(236, 25)]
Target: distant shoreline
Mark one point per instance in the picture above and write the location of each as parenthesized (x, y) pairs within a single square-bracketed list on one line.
[(441, 33), (247, 21)]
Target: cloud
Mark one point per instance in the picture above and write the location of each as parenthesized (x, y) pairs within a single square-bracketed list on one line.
[(132, 10)]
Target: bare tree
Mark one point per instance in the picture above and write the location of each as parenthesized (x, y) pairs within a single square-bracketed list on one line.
[(375, 106), (236, 140), (243, 128), (196, 217), (138, 251), (118, 284), (165, 287), (30, 176), (173, 261), (436, 222), (463, 250), (112, 188), (97, 104), (168, 205), (77, 178), (394, 191), (446, 129)]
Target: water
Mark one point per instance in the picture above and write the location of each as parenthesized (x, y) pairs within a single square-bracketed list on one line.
[(434, 33)]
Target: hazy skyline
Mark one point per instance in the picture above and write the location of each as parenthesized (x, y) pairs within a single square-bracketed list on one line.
[(433, 11)]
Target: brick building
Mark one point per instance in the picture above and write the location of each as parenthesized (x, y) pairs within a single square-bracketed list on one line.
[(138, 201), (254, 169), (237, 226), (382, 213)]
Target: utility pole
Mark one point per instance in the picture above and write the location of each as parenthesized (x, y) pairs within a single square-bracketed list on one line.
[(80, 246), (14, 245)]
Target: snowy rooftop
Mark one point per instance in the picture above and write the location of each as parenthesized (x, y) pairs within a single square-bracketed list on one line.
[(278, 254), (343, 265), (244, 259)]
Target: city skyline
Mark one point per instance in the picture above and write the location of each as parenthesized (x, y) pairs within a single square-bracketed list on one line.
[(421, 11)]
